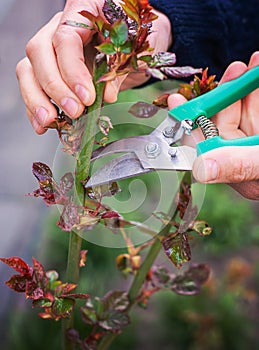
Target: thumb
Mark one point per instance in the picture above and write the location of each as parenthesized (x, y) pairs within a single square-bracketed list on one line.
[(228, 165), (175, 100), (112, 89)]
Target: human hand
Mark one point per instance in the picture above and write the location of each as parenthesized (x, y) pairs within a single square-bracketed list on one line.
[(56, 68), (238, 166)]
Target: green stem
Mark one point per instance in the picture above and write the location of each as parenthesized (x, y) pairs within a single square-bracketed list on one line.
[(81, 174), (147, 264), (143, 271), (139, 279)]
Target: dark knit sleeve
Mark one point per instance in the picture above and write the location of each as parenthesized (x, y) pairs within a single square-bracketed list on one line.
[(212, 33)]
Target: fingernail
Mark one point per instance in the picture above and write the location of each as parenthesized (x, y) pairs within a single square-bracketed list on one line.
[(41, 116), (206, 170), (37, 127), (82, 93), (69, 106)]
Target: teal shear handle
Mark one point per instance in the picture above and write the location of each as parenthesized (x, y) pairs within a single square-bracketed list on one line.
[(218, 141), (214, 101)]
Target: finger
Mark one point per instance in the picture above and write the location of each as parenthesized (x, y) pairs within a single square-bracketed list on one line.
[(250, 112), (228, 120), (69, 44), (74, 56), (248, 189), (254, 60), (228, 165), (36, 126), (175, 100), (112, 89), (40, 110), (43, 60)]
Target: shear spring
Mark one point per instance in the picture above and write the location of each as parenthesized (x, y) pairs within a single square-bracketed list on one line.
[(208, 128)]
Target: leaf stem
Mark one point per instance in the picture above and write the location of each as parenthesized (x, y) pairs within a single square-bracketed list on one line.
[(81, 174)]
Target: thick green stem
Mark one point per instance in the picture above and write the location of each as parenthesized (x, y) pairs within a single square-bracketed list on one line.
[(81, 174)]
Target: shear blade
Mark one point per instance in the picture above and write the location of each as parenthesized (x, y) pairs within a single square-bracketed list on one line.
[(130, 144), (119, 168)]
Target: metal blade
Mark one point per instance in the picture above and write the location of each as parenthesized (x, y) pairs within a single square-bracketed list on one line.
[(135, 143), (129, 165), (144, 154), (129, 144), (119, 168)]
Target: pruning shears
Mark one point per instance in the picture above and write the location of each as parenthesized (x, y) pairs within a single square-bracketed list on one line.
[(159, 150)]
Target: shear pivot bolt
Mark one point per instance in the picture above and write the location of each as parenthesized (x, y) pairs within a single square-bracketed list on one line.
[(173, 152), (152, 149), (168, 132)]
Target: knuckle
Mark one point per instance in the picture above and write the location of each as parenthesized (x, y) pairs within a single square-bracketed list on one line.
[(31, 47), (62, 35), (20, 68), (50, 86), (244, 170)]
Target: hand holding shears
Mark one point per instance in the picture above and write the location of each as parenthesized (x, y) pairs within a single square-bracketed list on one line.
[(156, 150)]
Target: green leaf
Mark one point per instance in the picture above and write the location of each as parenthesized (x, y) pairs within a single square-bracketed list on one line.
[(64, 288), (177, 249), (115, 300), (42, 303), (88, 313), (111, 314), (190, 282), (126, 48), (145, 58), (108, 312), (62, 307), (106, 48), (115, 321), (131, 10), (185, 286), (202, 228), (163, 59), (106, 190), (161, 277), (119, 33)]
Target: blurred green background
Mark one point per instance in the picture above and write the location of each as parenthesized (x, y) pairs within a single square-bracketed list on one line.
[(224, 316)]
